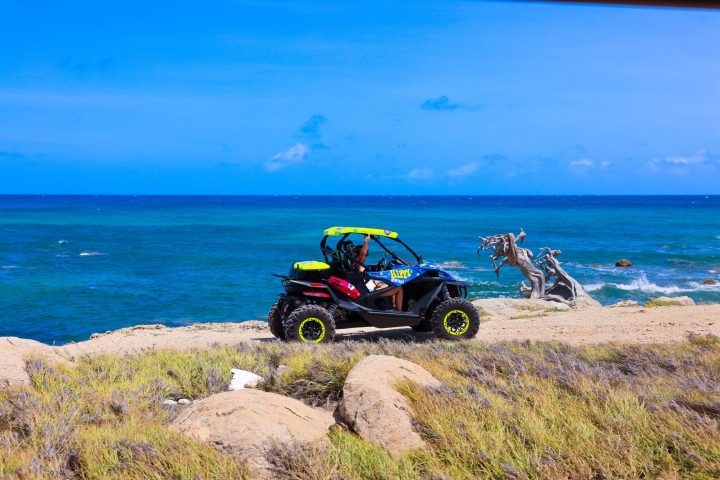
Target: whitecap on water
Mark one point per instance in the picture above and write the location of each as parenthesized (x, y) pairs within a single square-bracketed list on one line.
[(451, 265), (62, 241), (644, 285), (90, 254)]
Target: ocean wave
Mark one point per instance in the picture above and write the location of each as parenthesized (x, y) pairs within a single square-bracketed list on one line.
[(91, 254), (644, 285), (451, 265), (62, 241), (9, 267)]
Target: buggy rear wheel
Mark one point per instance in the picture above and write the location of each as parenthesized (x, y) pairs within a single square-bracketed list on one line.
[(275, 322), (311, 323), (455, 319)]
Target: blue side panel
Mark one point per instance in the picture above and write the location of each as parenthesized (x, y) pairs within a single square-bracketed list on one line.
[(397, 276), (401, 275)]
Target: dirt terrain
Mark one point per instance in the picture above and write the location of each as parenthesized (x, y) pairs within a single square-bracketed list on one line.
[(588, 325)]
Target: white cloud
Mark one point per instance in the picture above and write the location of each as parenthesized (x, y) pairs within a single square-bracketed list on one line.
[(463, 170), (294, 154), (582, 163), (682, 164), (701, 156), (419, 174)]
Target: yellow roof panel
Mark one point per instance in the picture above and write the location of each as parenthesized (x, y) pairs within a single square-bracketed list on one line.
[(361, 230)]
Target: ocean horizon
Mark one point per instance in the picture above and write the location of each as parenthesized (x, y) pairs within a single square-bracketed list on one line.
[(72, 265)]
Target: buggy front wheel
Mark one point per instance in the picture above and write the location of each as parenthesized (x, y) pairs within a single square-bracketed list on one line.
[(311, 323), (455, 319)]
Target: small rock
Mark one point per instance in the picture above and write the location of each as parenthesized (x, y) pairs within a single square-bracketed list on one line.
[(184, 401), (670, 302), (169, 403), (625, 303), (623, 262), (251, 384), (710, 281)]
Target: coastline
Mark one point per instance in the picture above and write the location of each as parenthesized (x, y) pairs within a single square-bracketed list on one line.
[(581, 326)]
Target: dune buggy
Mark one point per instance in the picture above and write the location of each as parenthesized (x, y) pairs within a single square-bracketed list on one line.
[(322, 296)]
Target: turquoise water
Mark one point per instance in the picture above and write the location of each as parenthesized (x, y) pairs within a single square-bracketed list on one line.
[(74, 265)]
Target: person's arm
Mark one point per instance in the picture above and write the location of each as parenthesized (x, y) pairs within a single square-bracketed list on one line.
[(363, 251)]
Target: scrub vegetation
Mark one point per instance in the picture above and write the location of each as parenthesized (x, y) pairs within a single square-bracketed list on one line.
[(507, 410)]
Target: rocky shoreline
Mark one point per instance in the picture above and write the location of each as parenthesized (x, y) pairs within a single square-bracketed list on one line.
[(663, 319)]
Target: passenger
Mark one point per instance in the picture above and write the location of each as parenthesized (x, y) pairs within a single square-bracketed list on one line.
[(361, 253)]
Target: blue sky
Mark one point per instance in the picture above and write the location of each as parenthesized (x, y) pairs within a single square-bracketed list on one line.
[(253, 97)]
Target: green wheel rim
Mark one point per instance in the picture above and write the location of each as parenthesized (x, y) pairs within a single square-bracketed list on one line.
[(456, 322), (312, 329)]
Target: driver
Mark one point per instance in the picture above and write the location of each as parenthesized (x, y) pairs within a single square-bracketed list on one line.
[(361, 253)]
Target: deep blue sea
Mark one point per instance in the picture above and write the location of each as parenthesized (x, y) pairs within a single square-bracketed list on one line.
[(74, 265)]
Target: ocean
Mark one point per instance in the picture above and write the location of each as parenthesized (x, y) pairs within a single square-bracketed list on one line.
[(74, 265)]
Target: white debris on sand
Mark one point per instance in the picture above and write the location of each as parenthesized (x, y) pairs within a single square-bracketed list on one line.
[(241, 379)]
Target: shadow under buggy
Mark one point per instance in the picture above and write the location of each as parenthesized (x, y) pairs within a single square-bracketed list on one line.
[(320, 297)]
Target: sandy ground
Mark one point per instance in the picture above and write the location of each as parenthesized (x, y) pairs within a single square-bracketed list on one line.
[(586, 326)]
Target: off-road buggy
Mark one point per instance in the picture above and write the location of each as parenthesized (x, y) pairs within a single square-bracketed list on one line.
[(321, 297)]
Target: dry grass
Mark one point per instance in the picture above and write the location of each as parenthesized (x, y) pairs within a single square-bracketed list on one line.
[(508, 411)]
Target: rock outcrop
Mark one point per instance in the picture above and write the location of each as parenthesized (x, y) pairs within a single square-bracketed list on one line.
[(13, 353), (248, 424), (670, 302), (375, 409), (625, 303), (500, 308), (710, 281), (623, 262), (585, 301)]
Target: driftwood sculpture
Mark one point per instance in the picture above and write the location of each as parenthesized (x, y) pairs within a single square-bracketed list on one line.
[(506, 251)]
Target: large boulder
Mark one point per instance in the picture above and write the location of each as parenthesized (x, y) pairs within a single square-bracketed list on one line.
[(13, 353), (375, 410), (248, 424), (670, 302), (623, 262)]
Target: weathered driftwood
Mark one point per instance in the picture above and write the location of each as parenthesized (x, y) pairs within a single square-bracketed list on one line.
[(565, 288), (505, 248)]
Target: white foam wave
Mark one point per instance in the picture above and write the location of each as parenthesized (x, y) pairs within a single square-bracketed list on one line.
[(644, 285), (91, 254), (62, 241), (457, 276)]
